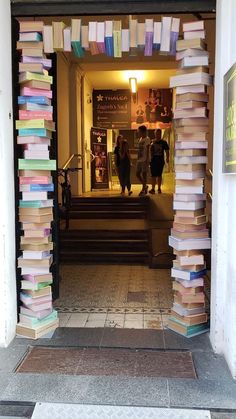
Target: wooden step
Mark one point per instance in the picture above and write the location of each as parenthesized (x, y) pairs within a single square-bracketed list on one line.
[(99, 257), (104, 234), (112, 245), (78, 214)]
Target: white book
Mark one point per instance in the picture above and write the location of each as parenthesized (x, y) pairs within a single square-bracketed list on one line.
[(165, 34), (198, 88), (36, 107), (36, 147), (189, 197), (197, 25), (195, 35), (191, 160), (125, 40), (188, 145), (48, 39), (34, 196), (188, 206), (189, 189), (100, 32), (37, 270), (157, 33), (67, 39), (84, 37), (201, 60), (31, 254), (108, 28), (36, 154), (190, 175), (191, 52), (187, 311), (92, 31), (200, 112), (133, 27), (149, 25), (175, 24), (191, 79), (181, 274), (141, 34), (191, 260), (199, 282), (194, 136), (189, 244)]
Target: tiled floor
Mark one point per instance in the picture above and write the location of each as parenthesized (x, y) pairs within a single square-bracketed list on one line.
[(139, 320)]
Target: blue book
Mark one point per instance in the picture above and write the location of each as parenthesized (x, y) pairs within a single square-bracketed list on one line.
[(41, 100), (42, 188), (188, 275), (38, 132), (156, 47), (109, 46)]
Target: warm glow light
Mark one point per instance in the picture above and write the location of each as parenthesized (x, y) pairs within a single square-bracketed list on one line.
[(133, 84), (139, 75)]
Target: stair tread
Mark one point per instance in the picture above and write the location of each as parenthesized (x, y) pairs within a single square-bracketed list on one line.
[(64, 251)]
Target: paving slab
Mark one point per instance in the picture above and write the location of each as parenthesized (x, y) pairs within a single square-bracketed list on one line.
[(124, 391), (10, 357), (200, 343), (202, 393), (73, 336), (133, 338), (47, 388), (210, 366)]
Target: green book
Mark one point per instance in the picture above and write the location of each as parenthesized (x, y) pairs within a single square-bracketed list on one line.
[(188, 331), (36, 204), (35, 323), (25, 164), (117, 39)]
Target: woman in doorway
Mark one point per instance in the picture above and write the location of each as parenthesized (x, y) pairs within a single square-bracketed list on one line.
[(159, 150), (117, 155), (125, 168)]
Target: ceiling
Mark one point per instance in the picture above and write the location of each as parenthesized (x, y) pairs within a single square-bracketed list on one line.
[(120, 79)]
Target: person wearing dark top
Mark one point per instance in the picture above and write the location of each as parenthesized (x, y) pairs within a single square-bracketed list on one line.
[(125, 168), (117, 155), (158, 150)]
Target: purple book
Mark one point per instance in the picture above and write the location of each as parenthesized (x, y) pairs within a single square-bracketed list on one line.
[(148, 44)]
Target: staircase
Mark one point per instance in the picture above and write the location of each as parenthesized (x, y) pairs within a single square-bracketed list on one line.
[(106, 230)]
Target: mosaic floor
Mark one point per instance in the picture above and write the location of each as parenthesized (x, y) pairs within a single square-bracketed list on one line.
[(114, 296)]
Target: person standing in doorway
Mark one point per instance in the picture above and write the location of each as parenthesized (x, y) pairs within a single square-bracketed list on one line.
[(143, 158), (158, 148), (125, 168), (117, 155)]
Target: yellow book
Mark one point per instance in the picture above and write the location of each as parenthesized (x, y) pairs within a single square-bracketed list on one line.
[(117, 38), (58, 38), (35, 123), (27, 76)]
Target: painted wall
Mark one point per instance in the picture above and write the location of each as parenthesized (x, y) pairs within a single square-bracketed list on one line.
[(63, 69), (7, 209), (223, 293), (86, 126)]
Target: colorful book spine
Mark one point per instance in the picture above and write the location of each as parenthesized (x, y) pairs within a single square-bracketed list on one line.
[(148, 38), (35, 127), (189, 235)]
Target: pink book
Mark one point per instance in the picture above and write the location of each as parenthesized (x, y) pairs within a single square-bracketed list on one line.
[(27, 91), (35, 279), (40, 307), (37, 233), (31, 139), (28, 300), (37, 314), (47, 63), (35, 115), (37, 180)]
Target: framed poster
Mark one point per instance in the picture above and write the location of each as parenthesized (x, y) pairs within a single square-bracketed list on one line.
[(229, 133), (99, 166), (111, 108)]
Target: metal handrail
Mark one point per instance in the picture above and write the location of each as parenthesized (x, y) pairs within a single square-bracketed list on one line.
[(70, 159), (209, 195), (209, 171)]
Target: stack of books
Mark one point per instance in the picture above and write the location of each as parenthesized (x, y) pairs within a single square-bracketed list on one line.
[(35, 126), (190, 235), (110, 38)]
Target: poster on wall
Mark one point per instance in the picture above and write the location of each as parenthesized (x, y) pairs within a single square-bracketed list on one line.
[(152, 108), (229, 139), (111, 108), (99, 165)]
